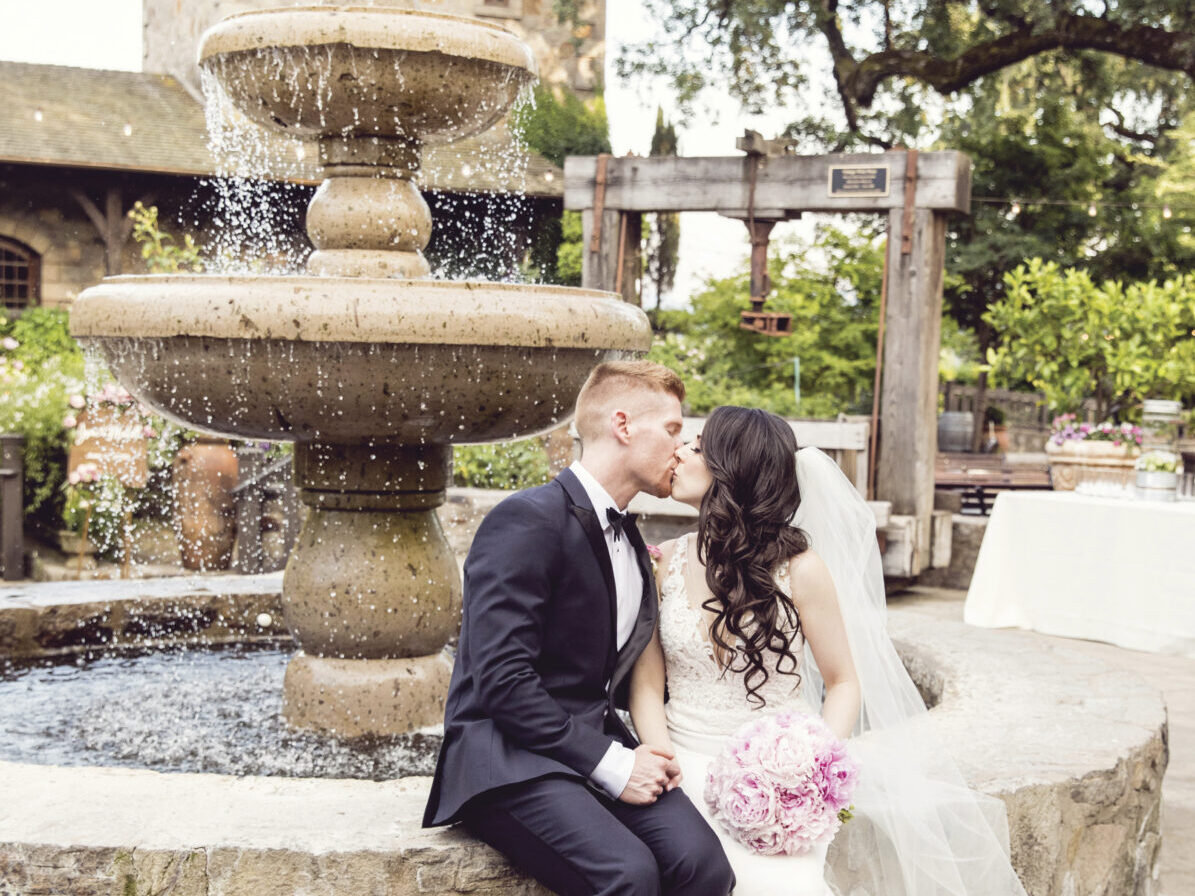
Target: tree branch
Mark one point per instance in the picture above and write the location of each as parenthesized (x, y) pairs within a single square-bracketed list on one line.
[(826, 14), (1122, 129), (859, 81)]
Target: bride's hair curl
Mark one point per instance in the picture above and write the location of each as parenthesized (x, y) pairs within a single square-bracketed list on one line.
[(743, 534)]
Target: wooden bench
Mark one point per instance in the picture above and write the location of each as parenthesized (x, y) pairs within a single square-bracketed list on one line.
[(978, 477)]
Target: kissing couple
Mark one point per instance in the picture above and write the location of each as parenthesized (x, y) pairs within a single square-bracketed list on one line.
[(774, 605)]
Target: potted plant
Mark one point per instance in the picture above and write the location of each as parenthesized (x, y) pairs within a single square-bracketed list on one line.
[(82, 489), (1089, 456), (1157, 475), (995, 420)]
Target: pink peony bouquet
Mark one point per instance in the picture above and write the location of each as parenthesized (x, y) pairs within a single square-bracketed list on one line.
[(782, 784)]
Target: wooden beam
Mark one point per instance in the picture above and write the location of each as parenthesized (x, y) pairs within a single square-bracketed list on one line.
[(112, 225), (787, 185)]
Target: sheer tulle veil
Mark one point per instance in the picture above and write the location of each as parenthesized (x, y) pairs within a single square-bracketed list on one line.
[(919, 830)]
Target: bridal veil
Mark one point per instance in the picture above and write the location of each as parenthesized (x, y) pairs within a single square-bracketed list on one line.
[(918, 830)]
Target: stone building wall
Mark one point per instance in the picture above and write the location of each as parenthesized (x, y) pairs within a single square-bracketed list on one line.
[(54, 226), (566, 55), (38, 209)]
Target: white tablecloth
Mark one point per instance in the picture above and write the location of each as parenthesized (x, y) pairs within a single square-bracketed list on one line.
[(1104, 569)]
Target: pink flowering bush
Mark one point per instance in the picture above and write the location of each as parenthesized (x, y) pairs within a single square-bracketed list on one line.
[(1067, 428), (782, 784)]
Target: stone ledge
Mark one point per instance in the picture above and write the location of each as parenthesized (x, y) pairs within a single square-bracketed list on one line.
[(1075, 750)]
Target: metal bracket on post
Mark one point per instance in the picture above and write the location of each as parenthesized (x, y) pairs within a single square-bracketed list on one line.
[(767, 323), (599, 203), (906, 223)]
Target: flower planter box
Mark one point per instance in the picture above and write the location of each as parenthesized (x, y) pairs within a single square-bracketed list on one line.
[(1091, 465)]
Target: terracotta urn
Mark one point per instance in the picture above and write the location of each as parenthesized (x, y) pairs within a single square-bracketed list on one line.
[(204, 475)]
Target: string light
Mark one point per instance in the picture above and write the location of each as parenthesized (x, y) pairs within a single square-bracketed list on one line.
[(1092, 210), (38, 115), (1166, 213), (1016, 208), (128, 129)]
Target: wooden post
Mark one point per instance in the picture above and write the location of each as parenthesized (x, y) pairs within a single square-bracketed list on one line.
[(599, 266), (12, 505), (909, 396), (631, 261)]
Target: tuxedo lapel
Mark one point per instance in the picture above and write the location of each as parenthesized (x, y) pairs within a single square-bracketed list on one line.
[(583, 510)]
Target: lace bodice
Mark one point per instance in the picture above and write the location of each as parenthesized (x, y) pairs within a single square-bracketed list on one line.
[(705, 703)]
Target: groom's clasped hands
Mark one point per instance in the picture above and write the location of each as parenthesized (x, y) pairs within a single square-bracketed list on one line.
[(655, 771)]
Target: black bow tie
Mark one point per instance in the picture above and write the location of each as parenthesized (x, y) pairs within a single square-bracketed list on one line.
[(617, 520)]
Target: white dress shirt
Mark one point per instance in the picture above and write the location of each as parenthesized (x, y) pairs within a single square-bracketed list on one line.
[(614, 771)]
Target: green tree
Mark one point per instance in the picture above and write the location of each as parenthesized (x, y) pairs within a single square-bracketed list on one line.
[(834, 302), (1063, 334), (1043, 133), (557, 123), (663, 239), (887, 56)]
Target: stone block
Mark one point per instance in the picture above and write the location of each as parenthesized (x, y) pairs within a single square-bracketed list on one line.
[(965, 538)]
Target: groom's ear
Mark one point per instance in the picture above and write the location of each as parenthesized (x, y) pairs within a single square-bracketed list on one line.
[(619, 427)]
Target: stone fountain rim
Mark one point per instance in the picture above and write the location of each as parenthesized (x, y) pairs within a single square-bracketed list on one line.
[(65, 809), (366, 27), (304, 308)]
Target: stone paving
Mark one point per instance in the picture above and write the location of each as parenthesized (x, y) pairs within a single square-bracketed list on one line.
[(1174, 676)]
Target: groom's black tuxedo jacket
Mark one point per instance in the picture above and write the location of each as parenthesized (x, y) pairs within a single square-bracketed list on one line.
[(529, 694)]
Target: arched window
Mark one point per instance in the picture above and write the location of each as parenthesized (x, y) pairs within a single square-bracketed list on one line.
[(20, 275)]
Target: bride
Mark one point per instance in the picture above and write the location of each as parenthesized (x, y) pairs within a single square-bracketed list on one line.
[(777, 603)]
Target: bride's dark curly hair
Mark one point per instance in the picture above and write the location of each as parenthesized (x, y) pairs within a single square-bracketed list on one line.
[(743, 534)]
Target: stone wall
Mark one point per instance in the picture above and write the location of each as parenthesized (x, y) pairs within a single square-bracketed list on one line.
[(38, 208), (34, 211), (966, 537)]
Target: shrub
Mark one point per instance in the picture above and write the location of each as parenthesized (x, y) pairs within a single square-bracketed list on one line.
[(40, 368), (507, 465)]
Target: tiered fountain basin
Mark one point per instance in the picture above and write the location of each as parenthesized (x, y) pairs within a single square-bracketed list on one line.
[(373, 374), (1075, 749), (356, 360), (372, 379)]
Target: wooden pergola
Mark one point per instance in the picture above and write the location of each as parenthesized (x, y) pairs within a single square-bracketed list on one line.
[(916, 190)]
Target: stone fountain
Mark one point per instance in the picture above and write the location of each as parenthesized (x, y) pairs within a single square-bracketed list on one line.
[(371, 371)]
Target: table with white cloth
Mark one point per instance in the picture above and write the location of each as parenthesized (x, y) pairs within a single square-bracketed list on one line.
[(1104, 569)]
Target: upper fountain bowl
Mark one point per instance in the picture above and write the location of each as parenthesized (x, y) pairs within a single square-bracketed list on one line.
[(367, 71)]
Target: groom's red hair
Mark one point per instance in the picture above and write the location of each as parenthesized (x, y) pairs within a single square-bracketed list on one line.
[(612, 383)]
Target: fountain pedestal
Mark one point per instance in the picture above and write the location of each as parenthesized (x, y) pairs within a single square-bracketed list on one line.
[(371, 593)]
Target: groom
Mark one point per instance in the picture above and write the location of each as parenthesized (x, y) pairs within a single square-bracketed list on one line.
[(559, 603)]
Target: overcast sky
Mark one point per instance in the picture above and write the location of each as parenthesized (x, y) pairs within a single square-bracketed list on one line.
[(107, 34)]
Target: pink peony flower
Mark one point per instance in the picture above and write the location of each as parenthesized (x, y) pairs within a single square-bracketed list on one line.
[(654, 552), (78, 402), (69, 421), (779, 783)]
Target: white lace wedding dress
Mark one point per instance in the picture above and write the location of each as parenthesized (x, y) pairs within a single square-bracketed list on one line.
[(705, 706)]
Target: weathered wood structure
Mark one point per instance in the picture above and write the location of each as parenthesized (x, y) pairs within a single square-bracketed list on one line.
[(916, 191)]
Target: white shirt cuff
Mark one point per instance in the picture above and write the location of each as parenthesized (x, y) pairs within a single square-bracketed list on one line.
[(613, 773)]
